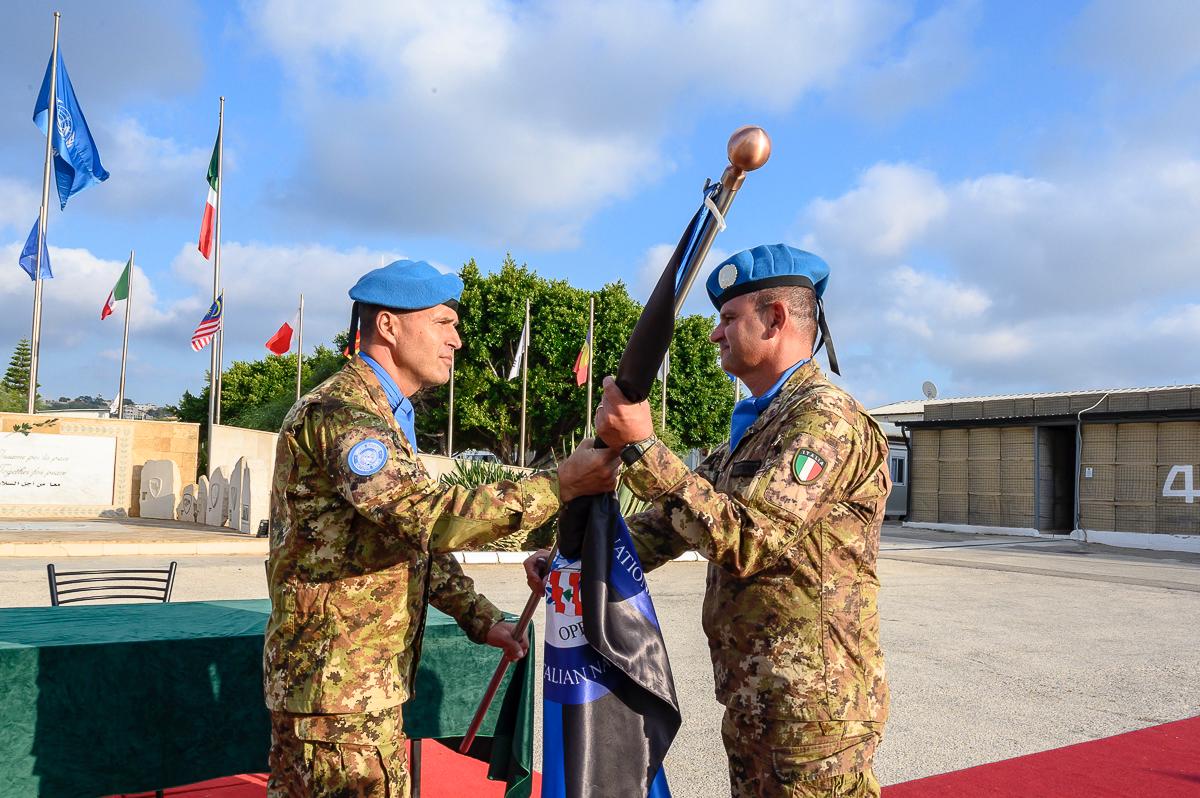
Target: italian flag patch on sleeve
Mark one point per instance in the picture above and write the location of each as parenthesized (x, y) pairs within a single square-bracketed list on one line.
[(808, 466)]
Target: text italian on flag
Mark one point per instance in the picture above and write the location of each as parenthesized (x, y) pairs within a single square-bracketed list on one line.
[(120, 291), (210, 204)]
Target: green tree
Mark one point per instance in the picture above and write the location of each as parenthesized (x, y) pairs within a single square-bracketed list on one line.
[(16, 379), (257, 394)]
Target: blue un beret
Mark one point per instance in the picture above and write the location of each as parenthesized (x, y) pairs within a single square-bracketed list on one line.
[(407, 285), (766, 266)]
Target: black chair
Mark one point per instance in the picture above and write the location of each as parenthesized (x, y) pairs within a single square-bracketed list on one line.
[(138, 584)]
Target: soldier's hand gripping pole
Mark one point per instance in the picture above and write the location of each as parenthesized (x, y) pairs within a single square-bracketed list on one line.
[(748, 149)]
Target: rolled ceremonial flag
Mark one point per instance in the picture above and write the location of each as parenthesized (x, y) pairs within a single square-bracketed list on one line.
[(120, 291), (208, 325), (583, 360), (281, 342), (207, 224), (28, 259)]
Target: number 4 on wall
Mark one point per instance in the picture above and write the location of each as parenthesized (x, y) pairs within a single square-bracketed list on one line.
[(1188, 492)]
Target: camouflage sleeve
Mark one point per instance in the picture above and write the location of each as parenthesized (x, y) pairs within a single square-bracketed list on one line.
[(748, 528), (370, 469), (654, 539), (453, 592)]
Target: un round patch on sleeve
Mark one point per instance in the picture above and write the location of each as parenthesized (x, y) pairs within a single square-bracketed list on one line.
[(367, 457), (808, 466)]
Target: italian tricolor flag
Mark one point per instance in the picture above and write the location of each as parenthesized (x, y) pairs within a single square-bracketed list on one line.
[(210, 204), (120, 291)]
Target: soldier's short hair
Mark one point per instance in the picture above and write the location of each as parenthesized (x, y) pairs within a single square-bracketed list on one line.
[(367, 314), (799, 300)]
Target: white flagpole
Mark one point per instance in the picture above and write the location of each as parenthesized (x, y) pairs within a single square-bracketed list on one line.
[(214, 361), (43, 213), (666, 371), (587, 432), (125, 340), (299, 345), (524, 381), (450, 417)]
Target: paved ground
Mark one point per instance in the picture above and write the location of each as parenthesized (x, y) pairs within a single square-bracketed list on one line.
[(996, 646)]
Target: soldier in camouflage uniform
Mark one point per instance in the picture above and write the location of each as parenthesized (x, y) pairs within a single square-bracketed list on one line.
[(361, 540), (788, 515)]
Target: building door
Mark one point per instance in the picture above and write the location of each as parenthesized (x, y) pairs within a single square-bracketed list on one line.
[(897, 501), (1056, 479)]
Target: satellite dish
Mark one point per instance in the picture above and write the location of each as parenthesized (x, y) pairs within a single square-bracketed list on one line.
[(929, 389)]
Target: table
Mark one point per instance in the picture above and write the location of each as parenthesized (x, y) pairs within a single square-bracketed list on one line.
[(104, 699)]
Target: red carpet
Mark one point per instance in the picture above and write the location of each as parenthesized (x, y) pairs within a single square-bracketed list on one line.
[(444, 774), (1159, 761)]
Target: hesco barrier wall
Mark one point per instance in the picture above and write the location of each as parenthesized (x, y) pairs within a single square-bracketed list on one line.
[(983, 476), (1140, 477)]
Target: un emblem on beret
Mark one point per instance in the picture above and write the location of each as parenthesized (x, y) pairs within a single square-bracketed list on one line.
[(727, 276), (367, 457)]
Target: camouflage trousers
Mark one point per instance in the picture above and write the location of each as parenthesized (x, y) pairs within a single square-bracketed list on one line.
[(800, 759), (338, 756)]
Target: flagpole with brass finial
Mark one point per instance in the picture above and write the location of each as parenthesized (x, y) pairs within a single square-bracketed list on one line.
[(748, 149), (51, 123)]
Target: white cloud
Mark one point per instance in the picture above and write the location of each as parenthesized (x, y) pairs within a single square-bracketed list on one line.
[(893, 205), (496, 119), (151, 173), (81, 354), (1004, 282)]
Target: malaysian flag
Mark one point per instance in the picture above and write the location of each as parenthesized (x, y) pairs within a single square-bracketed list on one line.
[(208, 325)]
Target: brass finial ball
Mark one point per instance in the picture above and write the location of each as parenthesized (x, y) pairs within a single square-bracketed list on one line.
[(749, 148)]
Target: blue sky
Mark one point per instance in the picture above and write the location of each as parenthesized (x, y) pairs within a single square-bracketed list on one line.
[(1008, 193)]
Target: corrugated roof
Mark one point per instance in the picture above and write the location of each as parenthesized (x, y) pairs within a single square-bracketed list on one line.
[(908, 406), (1045, 395)]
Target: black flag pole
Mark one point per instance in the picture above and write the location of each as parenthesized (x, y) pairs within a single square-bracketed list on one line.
[(748, 149)]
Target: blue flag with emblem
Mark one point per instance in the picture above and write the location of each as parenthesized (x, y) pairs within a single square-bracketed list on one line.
[(609, 715), (76, 160), (29, 254)]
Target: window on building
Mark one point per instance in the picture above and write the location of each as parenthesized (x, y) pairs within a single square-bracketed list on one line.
[(897, 464)]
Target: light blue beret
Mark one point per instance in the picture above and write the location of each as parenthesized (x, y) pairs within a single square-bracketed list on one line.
[(766, 266), (407, 285)]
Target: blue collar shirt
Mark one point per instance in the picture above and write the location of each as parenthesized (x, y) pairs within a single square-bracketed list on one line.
[(747, 411), (402, 409)]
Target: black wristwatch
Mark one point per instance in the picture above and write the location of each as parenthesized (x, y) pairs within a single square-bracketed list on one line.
[(634, 451)]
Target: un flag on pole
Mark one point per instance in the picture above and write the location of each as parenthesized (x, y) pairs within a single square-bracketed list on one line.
[(76, 160)]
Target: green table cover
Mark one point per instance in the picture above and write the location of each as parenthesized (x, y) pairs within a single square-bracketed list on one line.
[(104, 699)]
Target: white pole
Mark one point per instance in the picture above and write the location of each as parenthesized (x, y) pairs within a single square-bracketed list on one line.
[(524, 382), (587, 433), (125, 341), (450, 418), (214, 362), (299, 345), (43, 213)]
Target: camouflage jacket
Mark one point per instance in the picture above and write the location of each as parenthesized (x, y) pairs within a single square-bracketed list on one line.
[(790, 523), (355, 557)]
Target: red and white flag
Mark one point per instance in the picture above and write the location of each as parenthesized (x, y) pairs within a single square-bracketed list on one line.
[(208, 223), (281, 342)]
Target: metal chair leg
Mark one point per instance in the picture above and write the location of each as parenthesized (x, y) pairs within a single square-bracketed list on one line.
[(414, 770)]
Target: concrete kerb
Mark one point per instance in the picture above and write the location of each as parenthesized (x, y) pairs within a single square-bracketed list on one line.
[(1126, 540)]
